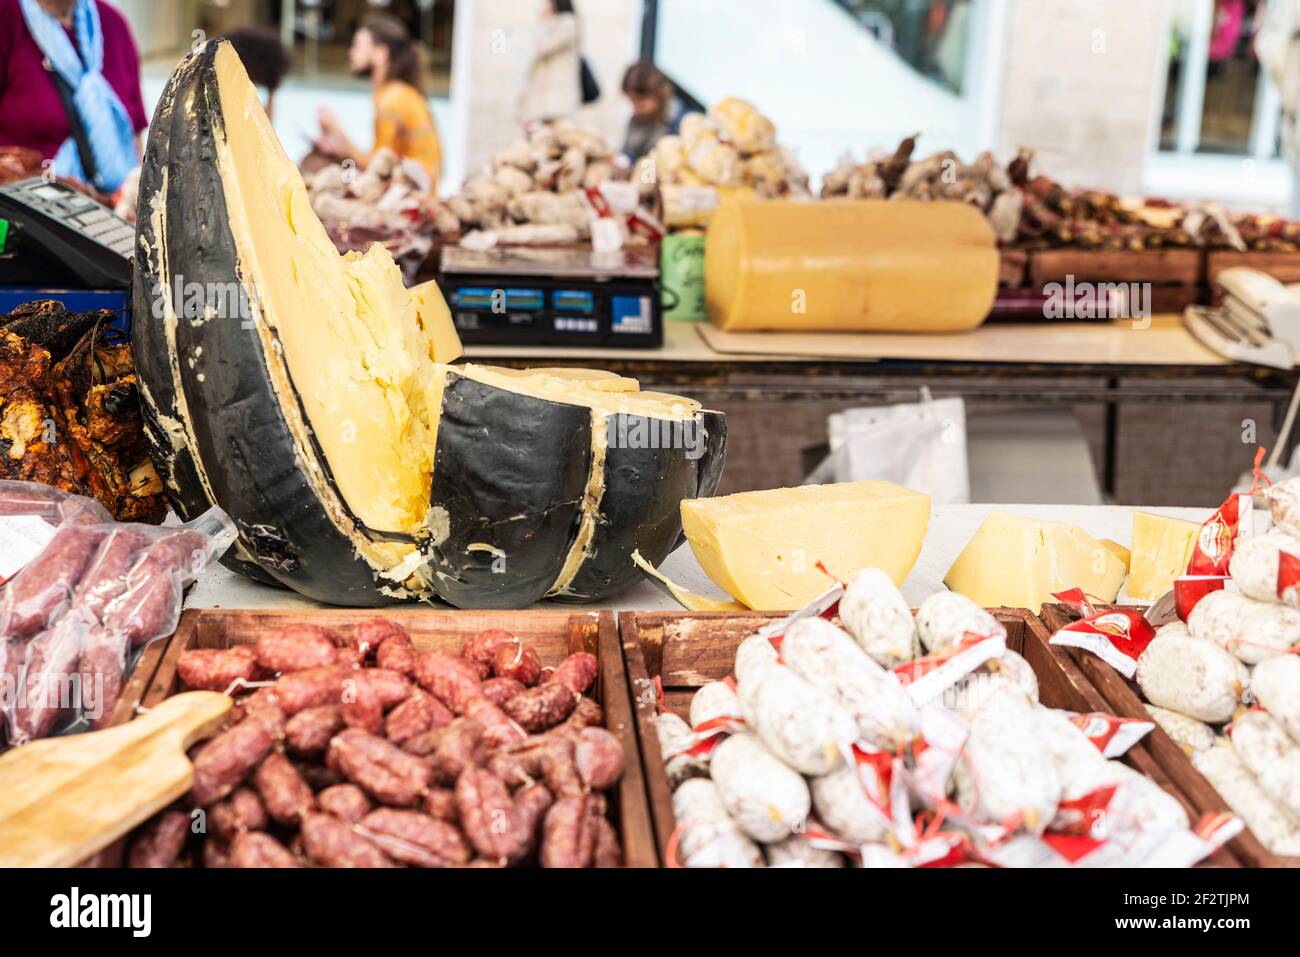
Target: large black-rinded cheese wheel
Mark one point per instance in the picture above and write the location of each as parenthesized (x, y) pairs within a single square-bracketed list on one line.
[(527, 498)]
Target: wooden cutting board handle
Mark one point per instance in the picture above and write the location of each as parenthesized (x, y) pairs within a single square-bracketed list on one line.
[(64, 799)]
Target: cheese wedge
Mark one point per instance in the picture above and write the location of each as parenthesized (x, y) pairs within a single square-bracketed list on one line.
[(1021, 562), (763, 548), (1162, 547), (1119, 551)]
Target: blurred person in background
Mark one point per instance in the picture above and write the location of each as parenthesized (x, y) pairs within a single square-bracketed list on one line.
[(383, 50), (656, 112), (266, 59), (70, 88), (553, 89)]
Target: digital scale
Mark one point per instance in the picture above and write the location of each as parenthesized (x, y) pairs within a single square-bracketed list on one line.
[(523, 295), (57, 243)]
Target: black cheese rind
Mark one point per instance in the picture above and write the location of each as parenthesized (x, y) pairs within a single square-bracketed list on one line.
[(509, 474), (639, 508), (236, 432)]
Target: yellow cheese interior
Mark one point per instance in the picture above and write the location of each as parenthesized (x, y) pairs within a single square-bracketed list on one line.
[(763, 547), (1021, 562), (359, 347), (850, 265), (1162, 547), (1119, 551)]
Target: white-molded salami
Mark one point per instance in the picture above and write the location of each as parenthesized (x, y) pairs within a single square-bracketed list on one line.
[(945, 617), (876, 614), (1250, 630), (1007, 770), (830, 660), (768, 800), (1271, 756), (707, 836), (1223, 768), (1193, 677), (714, 700), (1253, 565), (797, 852), (803, 726), (1188, 733), (842, 805), (1276, 683)]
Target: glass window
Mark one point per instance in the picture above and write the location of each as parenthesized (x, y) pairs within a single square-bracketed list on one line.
[(929, 35)]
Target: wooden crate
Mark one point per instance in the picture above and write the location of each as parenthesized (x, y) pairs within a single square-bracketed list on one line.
[(1124, 698), (1284, 267), (552, 634), (687, 650), (1011, 266), (1160, 267)]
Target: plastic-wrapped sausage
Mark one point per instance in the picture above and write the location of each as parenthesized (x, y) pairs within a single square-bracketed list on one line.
[(34, 598), (876, 614)]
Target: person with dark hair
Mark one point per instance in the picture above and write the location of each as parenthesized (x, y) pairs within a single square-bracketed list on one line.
[(383, 50), (265, 58), (656, 112), (554, 85)]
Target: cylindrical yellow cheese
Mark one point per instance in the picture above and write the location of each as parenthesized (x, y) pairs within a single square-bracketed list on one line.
[(850, 266)]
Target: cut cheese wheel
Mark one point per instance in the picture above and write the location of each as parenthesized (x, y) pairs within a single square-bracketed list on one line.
[(1162, 547), (1119, 551), (763, 548), (850, 265), (1022, 562)]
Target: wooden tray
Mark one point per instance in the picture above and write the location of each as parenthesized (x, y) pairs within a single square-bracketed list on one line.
[(688, 650), (1284, 267), (1178, 267), (1124, 699), (552, 634)]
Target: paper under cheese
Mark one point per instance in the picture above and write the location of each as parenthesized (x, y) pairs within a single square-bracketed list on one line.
[(849, 265), (1021, 562), (1162, 547), (763, 548)]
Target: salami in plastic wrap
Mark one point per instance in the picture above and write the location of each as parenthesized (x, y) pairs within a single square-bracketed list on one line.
[(73, 615)]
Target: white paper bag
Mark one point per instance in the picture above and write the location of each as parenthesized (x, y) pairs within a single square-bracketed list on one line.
[(919, 445)]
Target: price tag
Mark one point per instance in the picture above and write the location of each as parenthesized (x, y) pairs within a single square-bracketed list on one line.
[(22, 538)]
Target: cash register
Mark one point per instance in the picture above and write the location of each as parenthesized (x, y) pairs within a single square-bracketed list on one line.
[(58, 243)]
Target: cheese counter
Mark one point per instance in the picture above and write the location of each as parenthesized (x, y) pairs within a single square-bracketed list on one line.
[(951, 527)]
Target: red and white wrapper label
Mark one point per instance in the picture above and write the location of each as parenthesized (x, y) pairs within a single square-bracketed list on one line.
[(707, 736), (1118, 637), (1111, 734), (1190, 589), (22, 538), (1288, 579), (939, 740), (1217, 538), (926, 679)]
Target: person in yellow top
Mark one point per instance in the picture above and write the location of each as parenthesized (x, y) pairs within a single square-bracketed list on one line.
[(383, 50)]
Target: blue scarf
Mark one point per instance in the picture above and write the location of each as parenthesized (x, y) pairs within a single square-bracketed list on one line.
[(108, 126)]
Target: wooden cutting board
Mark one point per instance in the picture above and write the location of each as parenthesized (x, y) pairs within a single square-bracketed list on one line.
[(64, 799)]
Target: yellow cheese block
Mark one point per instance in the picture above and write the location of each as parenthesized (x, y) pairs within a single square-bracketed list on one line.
[(1021, 562), (1119, 551), (1162, 547), (850, 265), (763, 547)]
